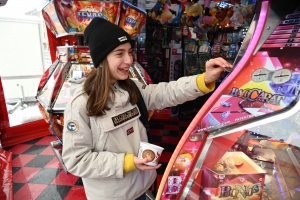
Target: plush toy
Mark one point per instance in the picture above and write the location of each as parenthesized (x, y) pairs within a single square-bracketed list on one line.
[(206, 7), (166, 15), (156, 11), (213, 12), (208, 19), (221, 14), (161, 11), (236, 15), (176, 19), (226, 21), (247, 13), (193, 12), (201, 3)]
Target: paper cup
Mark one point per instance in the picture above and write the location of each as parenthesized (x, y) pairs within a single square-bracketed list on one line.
[(150, 150)]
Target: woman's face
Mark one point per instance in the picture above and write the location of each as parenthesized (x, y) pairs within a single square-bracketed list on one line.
[(119, 61)]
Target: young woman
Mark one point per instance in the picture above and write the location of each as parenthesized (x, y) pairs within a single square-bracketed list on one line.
[(102, 129)]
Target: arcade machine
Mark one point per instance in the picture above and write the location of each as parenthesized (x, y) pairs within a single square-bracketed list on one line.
[(73, 61), (244, 142)]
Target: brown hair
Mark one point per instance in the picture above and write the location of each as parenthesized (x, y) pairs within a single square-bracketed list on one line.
[(97, 87)]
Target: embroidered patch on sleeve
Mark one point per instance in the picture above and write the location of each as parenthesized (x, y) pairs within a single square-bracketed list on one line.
[(72, 126), (129, 131), (121, 118)]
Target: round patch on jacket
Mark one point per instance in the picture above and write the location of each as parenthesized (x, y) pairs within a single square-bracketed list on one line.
[(72, 125)]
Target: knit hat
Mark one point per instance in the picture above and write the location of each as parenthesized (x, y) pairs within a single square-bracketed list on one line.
[(102, 37)]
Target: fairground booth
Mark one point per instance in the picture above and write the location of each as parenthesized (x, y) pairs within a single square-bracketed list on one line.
[(241, 141)]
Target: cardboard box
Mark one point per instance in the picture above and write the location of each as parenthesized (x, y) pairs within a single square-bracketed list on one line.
[(235, 176)]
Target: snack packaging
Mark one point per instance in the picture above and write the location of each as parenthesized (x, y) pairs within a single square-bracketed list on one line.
[(132, 19)]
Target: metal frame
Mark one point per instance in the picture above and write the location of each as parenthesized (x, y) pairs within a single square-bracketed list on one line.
[(57, 149), (198, 165)]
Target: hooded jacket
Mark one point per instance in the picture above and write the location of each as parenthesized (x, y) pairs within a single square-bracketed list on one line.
[(94, 147)]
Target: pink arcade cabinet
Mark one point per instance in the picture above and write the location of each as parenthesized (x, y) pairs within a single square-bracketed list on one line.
[(244, 143)]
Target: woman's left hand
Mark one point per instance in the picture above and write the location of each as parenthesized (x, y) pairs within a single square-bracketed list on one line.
[(140, 164), (214, 67)]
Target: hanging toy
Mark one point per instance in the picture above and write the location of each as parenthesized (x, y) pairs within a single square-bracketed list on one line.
[(226, 21), (166, 15), (193, 11), (206, 6), (209, 19), (236, 15), (156, 11)]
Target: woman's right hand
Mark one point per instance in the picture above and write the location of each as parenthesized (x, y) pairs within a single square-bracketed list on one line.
[(140, 164)]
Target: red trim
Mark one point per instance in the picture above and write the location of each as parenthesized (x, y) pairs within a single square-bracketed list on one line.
[(18, 134), (4, 121), (25, 132), (53, 43), (6, 182)]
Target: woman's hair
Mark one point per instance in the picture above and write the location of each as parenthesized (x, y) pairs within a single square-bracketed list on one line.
[(97, 86)]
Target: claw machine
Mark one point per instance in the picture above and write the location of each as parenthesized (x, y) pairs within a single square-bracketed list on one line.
[(244, 142)]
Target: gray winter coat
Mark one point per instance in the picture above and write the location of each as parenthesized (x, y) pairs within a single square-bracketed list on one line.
[(94, 147)]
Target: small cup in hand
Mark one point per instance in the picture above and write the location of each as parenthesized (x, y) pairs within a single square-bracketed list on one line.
[(151, 151)]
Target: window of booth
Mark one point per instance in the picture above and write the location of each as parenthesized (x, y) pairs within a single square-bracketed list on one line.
[(24, 57)]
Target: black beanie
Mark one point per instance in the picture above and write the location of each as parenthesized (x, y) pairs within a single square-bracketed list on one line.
[(102, 37)]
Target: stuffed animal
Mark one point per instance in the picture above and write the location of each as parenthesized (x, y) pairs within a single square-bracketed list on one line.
[(166, 15), (221, 14), (193, 12), (206, 7), (226, 21), (161, 11), (201, 2), (236, 15), (157, 9), (208, 18)]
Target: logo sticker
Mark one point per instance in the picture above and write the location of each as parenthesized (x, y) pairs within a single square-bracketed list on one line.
[(72, 126), (122, 39), (121, 118), (129, 131)]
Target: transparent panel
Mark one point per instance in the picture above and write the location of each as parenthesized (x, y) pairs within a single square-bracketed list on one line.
[(259, 162), (46, 93), (76, 71), (24, 57)]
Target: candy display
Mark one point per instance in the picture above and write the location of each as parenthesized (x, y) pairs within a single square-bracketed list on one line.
[(77, 15), (132, 19), (69, 18)]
